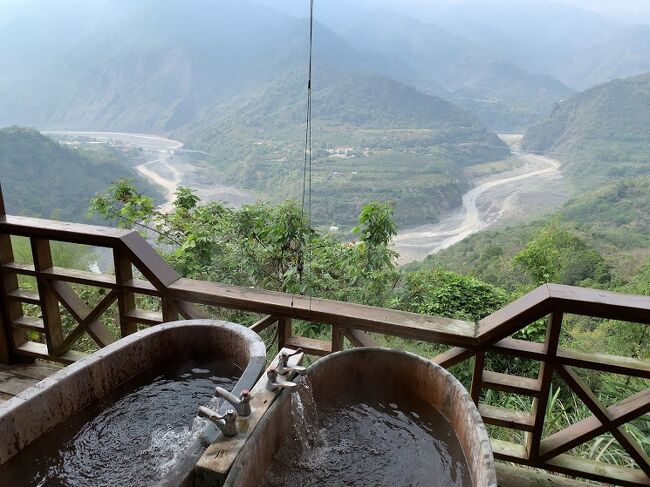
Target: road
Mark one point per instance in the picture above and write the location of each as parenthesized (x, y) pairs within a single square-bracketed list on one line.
[(418, 242)]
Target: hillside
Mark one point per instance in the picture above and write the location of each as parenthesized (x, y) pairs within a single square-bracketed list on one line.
[(624, 54), (502, 95), (403, 145), (601, 134), (43, 178), (612, 220)]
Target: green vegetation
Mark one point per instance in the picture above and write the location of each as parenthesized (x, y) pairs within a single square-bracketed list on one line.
[(41, 177), (600, 135), (377, 139)]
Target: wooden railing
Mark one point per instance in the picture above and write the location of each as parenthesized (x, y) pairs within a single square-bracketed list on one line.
[(492, 335)]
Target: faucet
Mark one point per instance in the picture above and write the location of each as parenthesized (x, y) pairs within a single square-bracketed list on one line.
[(283, 367), (227, 422), (241, 404), (273, 384)]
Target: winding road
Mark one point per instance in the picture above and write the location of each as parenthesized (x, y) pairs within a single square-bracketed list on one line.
[(418, 242)]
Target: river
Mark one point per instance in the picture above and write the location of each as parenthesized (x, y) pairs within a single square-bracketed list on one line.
[(526, 183), (520, 191)]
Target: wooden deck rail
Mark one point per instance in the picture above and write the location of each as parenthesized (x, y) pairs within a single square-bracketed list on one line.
[(491, 335)]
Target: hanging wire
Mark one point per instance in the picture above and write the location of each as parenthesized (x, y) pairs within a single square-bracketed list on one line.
[(304, 265)]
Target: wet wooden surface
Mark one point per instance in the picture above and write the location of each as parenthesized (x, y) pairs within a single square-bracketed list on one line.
[(17, 377)]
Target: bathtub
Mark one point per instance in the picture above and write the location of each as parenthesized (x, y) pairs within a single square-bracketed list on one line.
[(363, 372), (39, 409)]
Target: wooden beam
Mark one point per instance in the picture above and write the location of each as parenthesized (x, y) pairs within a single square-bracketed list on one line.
[(346, 315), (511, 476), (9, 310), (452, 357), (582, 431), (511, 383), (508, 418), (514, 316), (359, 338), (125, 297), (477, 377), (42, 255), (264, 323), (147, 260), (337, 338), (598, 471), (61, 231), (310, 346)]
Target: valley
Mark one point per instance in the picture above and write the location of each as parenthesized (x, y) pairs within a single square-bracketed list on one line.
[(533, 187)]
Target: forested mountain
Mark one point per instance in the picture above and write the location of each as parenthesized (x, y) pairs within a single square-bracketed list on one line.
[(377, 139), (502, 95), (157, 66), (601, 134), (41, 177)]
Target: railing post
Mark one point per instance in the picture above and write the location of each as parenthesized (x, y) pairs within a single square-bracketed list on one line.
[(42, 255), (477, 377), (337, 338), (169, 310), (284, 331), (125, 297), (545, 374)]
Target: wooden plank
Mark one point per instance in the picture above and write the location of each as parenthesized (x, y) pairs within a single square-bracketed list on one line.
[(214, 465), (359, 338), (337, 339), (520, 348), (53, 330), (39, 350), (190, 311), (264, 323), (511, 476), (169, 310), (452, 357), (24, 296), (508, 451), (604, 362), (514, 316), (508, 418), (598, 471), (29, 323), (63, 274), (125, 297), (146, 317), (540, 403), (601, 304), (39, 369), (13, 384), (346, 315), (511, 383), (61, 231), (310, 346)]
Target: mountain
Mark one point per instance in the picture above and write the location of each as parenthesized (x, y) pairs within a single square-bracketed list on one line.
[(43, 178), (156, 66), (402, 144), (503, 95), (625, 54), (601, 134)]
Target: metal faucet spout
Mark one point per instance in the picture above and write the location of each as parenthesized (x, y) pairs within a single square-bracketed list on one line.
[(241, 404), (227, 422)]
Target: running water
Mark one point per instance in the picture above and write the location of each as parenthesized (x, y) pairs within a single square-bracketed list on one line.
[(305, 416)]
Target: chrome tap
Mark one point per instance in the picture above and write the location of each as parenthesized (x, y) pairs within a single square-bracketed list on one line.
[(273, 384), (241, 404), (227, 422), (284, 367)]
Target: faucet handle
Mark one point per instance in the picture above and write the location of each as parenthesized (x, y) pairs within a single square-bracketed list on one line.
[(286, 354), (241, 404), (273, 383), (226, 422)]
